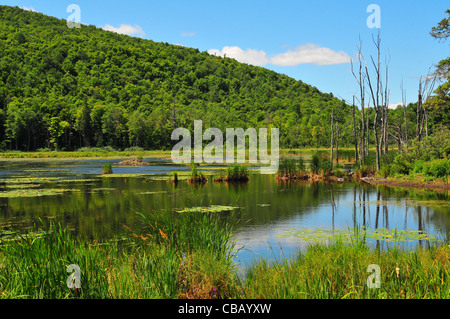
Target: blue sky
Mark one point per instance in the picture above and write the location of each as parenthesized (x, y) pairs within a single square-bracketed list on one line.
[(310, 41)]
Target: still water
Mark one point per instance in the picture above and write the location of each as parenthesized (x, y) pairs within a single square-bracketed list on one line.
[(277, 217)]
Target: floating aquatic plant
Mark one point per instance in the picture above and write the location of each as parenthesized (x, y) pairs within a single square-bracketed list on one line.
[(34, 192), (349, 235), (212, 208)]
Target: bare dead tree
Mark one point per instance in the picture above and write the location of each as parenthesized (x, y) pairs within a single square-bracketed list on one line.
[(427, 90), (404, 113), (375, 93), (419, 110), (360, 79), (332, 138), (337, 143), (355, 140), (386, 113)]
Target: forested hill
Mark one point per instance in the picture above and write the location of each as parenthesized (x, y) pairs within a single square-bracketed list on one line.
[(68, 88)]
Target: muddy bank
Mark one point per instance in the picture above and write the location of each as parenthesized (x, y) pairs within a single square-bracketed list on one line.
[(134, 162), (438, 184)]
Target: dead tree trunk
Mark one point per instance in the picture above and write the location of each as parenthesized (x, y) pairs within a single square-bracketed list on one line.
[(419, 110), (354, 131), (376, 99), (337, 144), (360, 79), (332, 139), (404, 114)]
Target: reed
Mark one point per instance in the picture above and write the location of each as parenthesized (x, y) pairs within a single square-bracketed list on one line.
[(196, 176), (339, 271), (190, 255), (36, 267), (107, 168), (291, 169), (237, 173)]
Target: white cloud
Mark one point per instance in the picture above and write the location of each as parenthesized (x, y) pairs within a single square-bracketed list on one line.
[(308, 53), (126, 29), (28, 9), (249, 56), (187, 34), (394, 105)]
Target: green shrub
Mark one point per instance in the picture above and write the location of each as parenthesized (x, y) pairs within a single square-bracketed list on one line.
[(315, 164), (418, 166), (385, 171), (288, 166), (107, 168), (401, 165), (301, 164), (432, 147), (325, 166), (437, 168), (238, 173)]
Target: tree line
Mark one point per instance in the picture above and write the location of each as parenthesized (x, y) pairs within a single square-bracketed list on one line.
[(64, 89)]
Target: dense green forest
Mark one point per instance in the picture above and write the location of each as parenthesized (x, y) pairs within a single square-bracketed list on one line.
[(66, 88)]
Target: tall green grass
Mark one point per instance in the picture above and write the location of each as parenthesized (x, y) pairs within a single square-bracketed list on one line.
[(36, 267), (171, 255), (237, 173), (338, 270), (291, 168), (190, 255)]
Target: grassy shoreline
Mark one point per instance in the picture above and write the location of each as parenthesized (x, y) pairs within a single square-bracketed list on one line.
[(412, 181), (82, 154), (191, 256)]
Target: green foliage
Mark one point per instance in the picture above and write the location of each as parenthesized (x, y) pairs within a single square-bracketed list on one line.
[(71, 88), (338, 172), (434, 146), (34, 266), (418, 166), (315, 164), (301, 164), (384, 171), (325, 166), (437, 168), (107, 168), (287, 166), (401, 165), (238, 173)]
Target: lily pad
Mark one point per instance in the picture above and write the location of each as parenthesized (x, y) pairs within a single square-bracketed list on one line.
[(380, 234), (212, 209), (34, 192)]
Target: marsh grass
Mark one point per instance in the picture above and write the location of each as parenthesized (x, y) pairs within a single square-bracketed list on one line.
[(171, 255), (237, 173), (291, 169), (190, 255), (339, 270), (107, 168), (35, 267), (196, 176)]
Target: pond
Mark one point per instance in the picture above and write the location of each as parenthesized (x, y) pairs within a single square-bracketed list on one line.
[(277, 218)]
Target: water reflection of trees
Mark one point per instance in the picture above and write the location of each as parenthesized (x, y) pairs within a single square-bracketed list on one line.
[(263, 200), (419, 215)]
